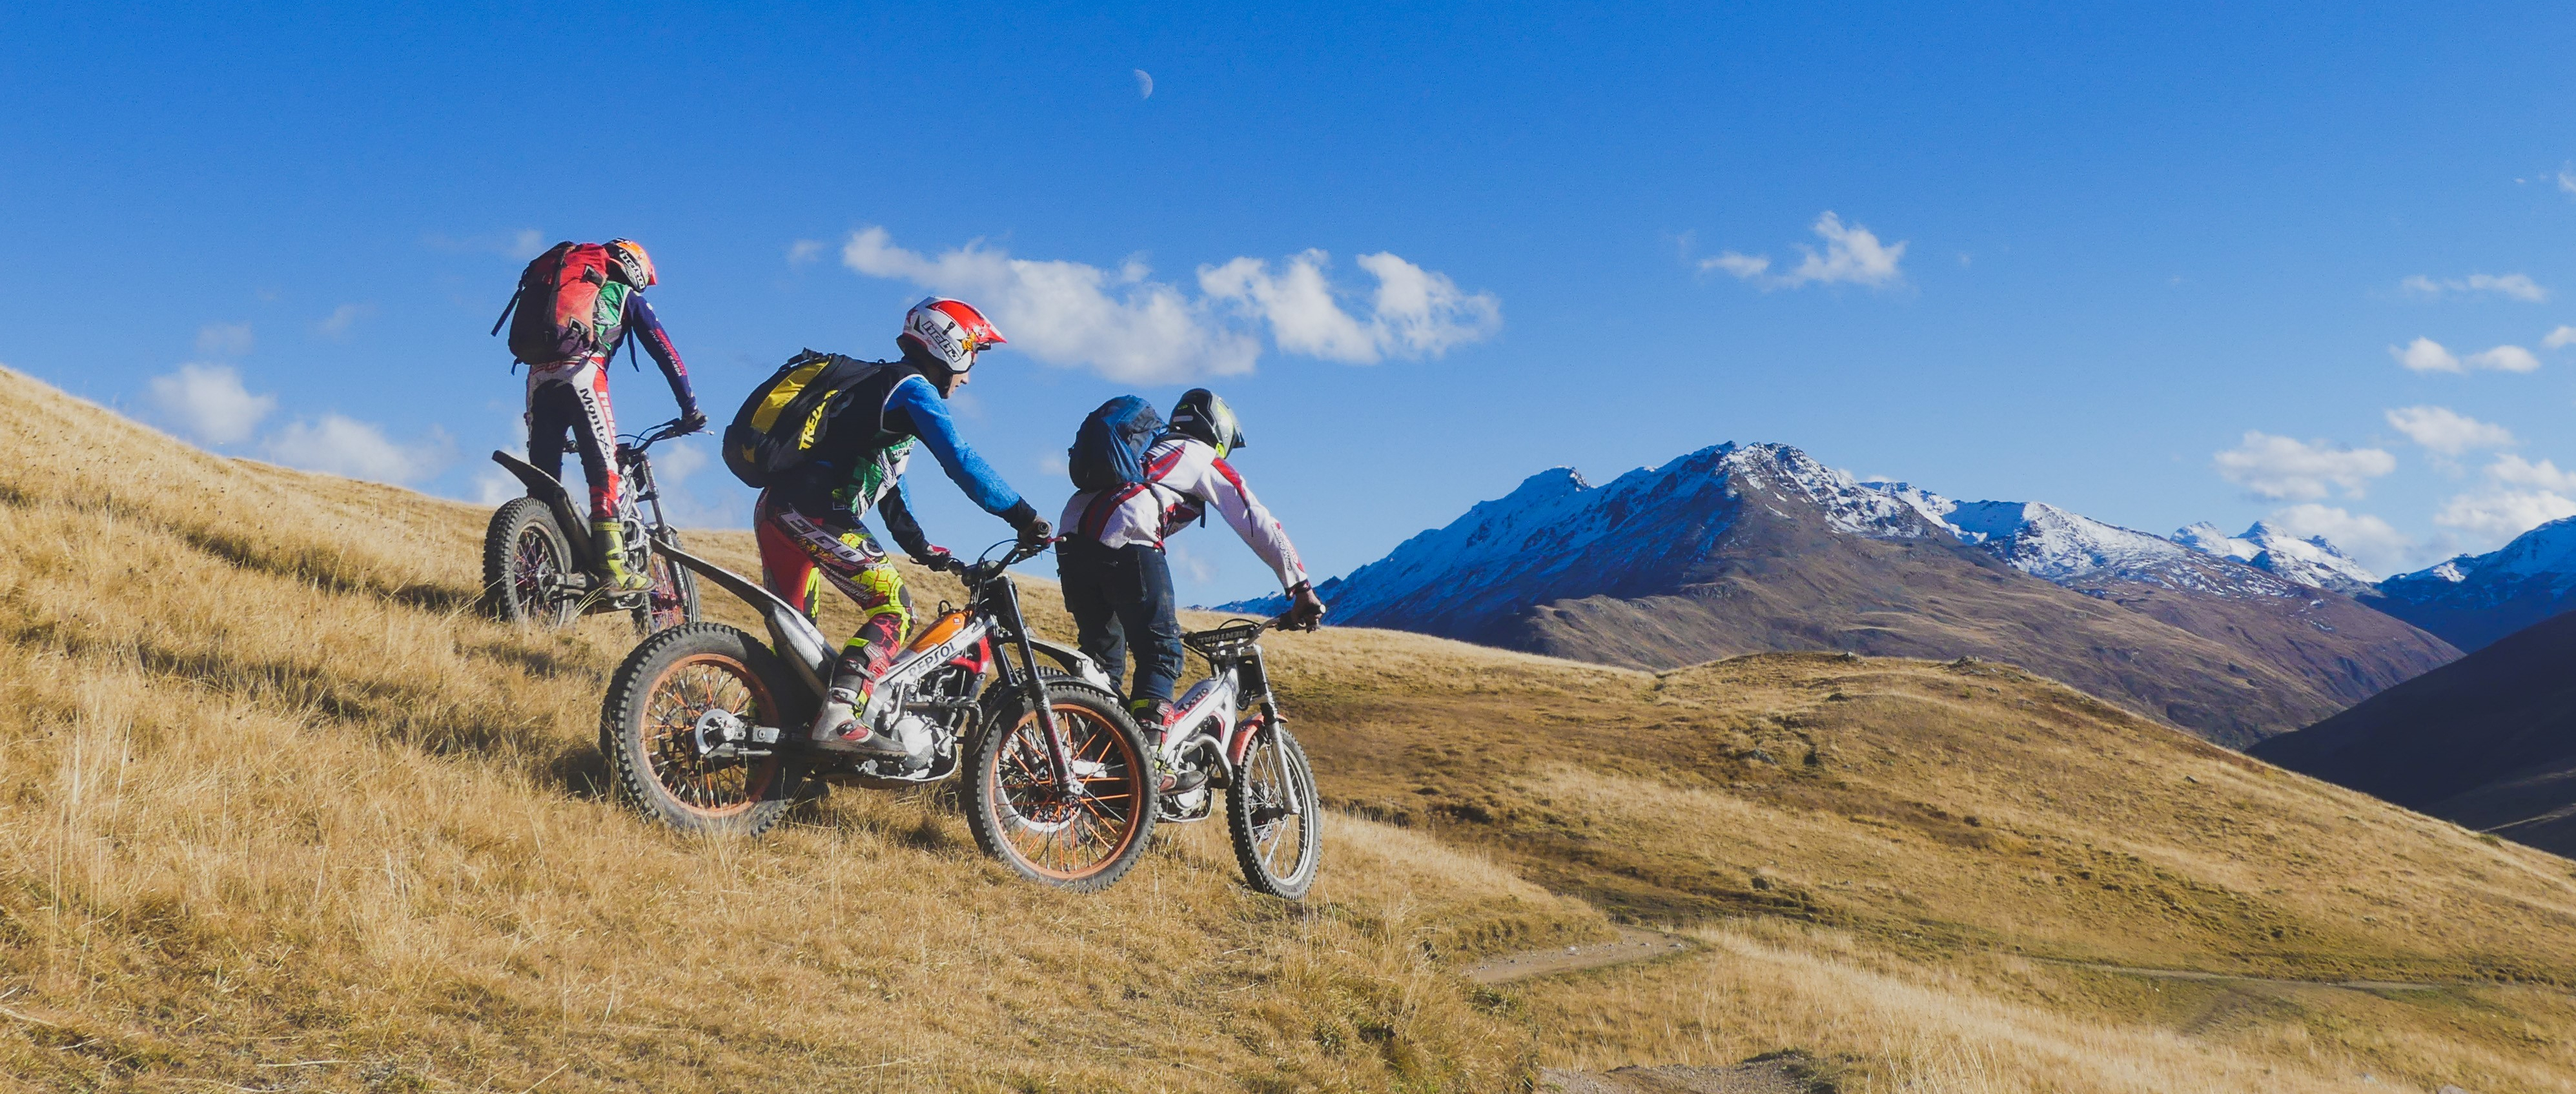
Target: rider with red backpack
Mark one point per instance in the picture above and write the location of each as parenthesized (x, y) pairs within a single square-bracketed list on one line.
[(575, 305)]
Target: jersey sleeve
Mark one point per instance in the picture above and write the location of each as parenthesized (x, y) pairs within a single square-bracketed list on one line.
[(896, 508), (643, 324), (1210, 479), (927, 414)]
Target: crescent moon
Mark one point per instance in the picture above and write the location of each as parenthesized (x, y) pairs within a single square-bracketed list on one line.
[(1144, 84)]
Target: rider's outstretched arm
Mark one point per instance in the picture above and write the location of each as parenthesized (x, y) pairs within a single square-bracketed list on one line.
[(642, 323), (928, 415), (1205, 475), (900, 523)]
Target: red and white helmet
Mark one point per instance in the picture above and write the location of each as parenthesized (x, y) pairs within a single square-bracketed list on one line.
[(947, 332)]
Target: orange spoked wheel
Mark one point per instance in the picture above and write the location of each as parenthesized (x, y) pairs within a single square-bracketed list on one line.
[(679, 721), (1021, 813)]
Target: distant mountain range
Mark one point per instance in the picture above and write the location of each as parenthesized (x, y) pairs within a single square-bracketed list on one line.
[(1744, 548), (2488, 741), (2473, 600)]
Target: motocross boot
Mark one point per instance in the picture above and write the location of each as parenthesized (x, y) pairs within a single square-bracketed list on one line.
[(609, 537), (1154, 716), (837, 728)]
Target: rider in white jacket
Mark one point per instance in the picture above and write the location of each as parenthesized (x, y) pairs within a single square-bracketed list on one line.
[(1117, 583)]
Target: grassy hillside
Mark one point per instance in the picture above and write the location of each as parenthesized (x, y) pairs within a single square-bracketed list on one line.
[(2483, 741), (283, 814)]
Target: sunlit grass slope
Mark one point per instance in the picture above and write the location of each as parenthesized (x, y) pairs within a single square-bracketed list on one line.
[(279, 809), (282, 813), (1889, 856)]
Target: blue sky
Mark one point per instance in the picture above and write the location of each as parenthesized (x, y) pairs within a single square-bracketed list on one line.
[(2154, 264)]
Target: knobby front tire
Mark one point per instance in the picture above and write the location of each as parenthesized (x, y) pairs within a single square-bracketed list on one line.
[(651, 725), (1272, 812), (1086, 842), (525, 552)]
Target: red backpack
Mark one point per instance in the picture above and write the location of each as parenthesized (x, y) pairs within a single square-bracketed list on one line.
[(557, 293)]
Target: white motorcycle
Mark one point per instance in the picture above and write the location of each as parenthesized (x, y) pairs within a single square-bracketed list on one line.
[(1226, 730)]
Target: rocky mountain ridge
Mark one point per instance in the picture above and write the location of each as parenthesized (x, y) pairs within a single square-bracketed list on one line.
[(1741, 548)]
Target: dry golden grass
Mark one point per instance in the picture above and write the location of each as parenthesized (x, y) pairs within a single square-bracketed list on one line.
[(283, 813)]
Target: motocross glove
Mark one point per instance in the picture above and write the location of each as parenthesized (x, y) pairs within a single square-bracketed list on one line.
[(1305, 609), (1036, 533)]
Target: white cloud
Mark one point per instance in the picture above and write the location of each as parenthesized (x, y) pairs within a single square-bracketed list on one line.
[(2427, 355), (2567, 178), (1192, 566), (1127, 326), (2562, 336), (342, 318), (2504, 359), (209, 403), (1852, 255), (2281, 468), (2372, 541), (224, 339), (492, 486), (1421, 313), (342, 445), (804, 251), (2449, 432), (2517, 286), (1297, 301), (1414, 312), (2511, 470), (2522, 495), (2495, 516), (1741, 265)]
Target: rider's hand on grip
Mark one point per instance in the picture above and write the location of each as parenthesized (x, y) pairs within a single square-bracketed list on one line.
[(938, 560), (693, 421), (1036, 533), (1305, 609)]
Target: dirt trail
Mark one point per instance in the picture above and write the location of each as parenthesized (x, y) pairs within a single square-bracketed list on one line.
[(1633, 944), (1756, 1077)]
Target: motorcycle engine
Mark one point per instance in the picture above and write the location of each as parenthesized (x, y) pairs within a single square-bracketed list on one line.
[(918, 737)]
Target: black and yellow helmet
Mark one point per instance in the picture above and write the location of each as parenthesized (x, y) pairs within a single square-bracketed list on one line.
[(1202, 415)]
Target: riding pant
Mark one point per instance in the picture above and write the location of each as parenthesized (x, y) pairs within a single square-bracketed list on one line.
[(802, 547), (573, 396)]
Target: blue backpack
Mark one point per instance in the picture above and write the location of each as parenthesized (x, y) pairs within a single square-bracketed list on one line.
[(1109, 450)]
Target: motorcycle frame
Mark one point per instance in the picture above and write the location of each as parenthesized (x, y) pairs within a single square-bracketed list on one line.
[(634, 464), (1220, 702), (805, 648)]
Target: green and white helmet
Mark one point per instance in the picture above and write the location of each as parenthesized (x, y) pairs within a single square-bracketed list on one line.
[(1202, 415)]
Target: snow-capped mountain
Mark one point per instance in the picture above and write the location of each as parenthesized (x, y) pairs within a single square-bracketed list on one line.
[(2475, 599), (1740, 548), (2071, 549), (2311, 561)]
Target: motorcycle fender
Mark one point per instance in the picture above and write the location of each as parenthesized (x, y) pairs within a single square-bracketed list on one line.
[(544, 488), (1075, 663), (795, 637)]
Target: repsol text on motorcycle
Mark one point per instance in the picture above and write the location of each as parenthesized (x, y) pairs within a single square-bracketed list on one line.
[(704, 727)]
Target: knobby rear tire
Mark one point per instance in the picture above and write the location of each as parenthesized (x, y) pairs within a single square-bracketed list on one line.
[(521, 548), (1275, 775), (648, 723), (1017, 823)]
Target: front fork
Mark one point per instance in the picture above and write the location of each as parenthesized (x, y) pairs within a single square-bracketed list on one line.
[(1066, 782)]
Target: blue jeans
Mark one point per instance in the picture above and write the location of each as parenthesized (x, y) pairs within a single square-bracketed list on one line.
[(1119, 594)]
